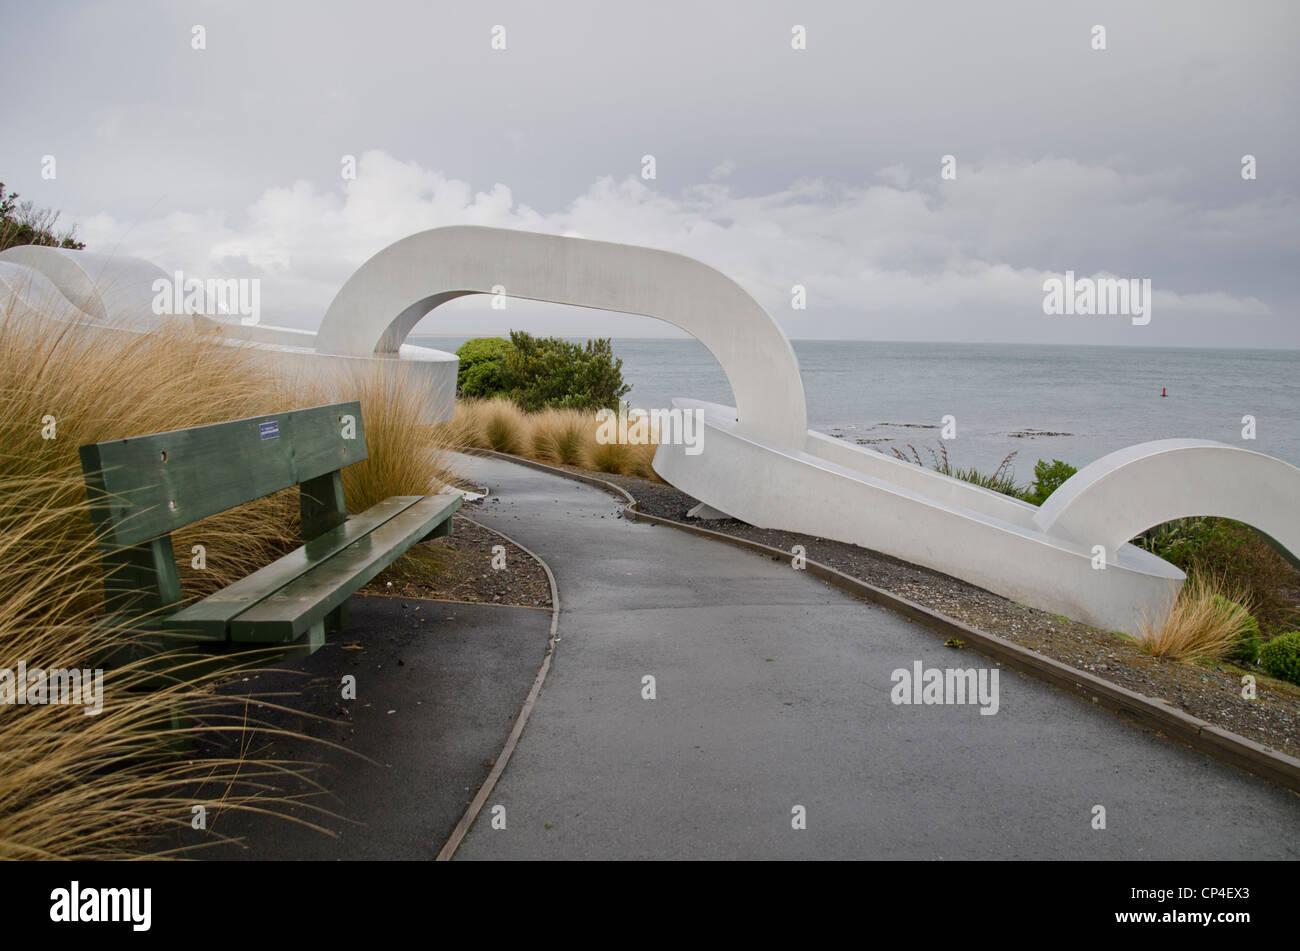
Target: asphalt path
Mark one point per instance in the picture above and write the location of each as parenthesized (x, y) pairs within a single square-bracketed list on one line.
[(772, 732)]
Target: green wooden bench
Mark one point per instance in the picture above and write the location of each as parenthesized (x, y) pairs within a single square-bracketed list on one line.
[(143, 488)]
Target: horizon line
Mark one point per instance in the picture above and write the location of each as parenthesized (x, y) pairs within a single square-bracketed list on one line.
[(982, 343)]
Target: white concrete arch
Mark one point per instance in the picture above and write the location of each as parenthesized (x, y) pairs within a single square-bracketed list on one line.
[(27, 294), (385, 298), (112, 290), (1128, 491)]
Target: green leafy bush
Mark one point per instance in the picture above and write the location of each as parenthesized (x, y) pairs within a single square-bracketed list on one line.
[(542, 372), (1047, 479), (1246, 648), (1236, 553), (551, 371), (482, 366), (1280, 657)]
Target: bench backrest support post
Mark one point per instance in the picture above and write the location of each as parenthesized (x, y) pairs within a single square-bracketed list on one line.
[(320, 501), (141, 579)]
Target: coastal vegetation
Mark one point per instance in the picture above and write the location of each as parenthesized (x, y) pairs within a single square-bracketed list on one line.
[(91, 786), (21, 222), (1048, 476), (1240, 591), (542, 372), (1209, 621), (554, 436), (537, 397)]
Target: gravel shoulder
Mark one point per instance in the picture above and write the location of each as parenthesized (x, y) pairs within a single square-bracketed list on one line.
[(458, 567), (1211, 692)]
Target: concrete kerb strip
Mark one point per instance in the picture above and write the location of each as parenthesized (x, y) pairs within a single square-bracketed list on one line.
[(1150, 712), (512, 741)]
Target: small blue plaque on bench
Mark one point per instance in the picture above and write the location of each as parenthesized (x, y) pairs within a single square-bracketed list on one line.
[(269, 430)]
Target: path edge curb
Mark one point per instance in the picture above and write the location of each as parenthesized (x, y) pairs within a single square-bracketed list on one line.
[(476, 804)]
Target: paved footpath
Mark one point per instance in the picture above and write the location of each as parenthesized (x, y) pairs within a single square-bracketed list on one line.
[(773, 691)]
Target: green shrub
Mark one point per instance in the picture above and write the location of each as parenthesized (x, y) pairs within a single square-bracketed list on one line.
[(1236, 553), (1047, 479), (553, 372), (482, 369), (541, 372), (1173, 541), (1280, 657), (1246, 647)]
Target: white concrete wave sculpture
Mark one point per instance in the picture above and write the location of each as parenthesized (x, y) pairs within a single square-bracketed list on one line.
[(390, 293), (115, 294), (762, 464)]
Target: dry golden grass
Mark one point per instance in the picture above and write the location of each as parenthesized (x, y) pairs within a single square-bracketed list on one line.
[(96, 387), (503, 426), (612, 457), (559, 435), (1203, 624), (556, 436), (77, 786), (406, 457)]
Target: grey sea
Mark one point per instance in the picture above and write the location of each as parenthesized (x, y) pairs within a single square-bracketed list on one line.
[(1040, 402)]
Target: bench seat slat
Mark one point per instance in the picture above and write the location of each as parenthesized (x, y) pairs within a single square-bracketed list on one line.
[(210, 618), (306, 600)]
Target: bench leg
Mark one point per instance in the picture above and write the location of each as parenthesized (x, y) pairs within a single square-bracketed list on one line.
[(175, 745), (441, 530), (337, 620)]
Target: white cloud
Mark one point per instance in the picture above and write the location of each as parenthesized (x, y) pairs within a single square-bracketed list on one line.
[(913, 258), (722, 170)]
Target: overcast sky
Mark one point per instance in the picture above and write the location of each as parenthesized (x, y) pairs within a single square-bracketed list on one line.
[(778, 166)]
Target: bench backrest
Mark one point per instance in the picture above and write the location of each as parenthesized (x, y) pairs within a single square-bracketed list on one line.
[(148, 486)]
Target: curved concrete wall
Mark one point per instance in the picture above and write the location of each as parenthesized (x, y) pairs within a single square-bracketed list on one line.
[(113, 291), (29, 294), (390, 293), (1128, 491), (802, 492), (114, 294)]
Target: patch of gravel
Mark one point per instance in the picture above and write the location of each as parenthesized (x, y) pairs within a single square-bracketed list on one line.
[(1211, 692), (458, 567)]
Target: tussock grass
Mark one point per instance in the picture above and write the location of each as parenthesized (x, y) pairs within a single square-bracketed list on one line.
[(406, 457), (1203, 624), (559, 435), (95, 387), (1002, 479), (78, 786), (563, 436), (503, 426), (610, 457)]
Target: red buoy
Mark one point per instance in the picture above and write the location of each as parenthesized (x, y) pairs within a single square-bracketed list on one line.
[(1163, 392)]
